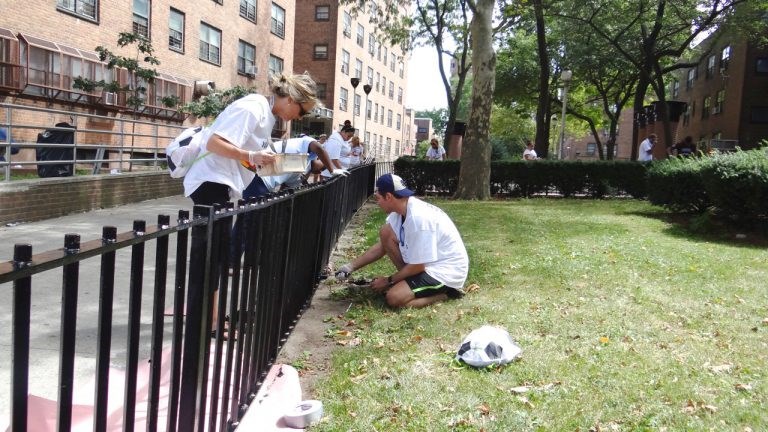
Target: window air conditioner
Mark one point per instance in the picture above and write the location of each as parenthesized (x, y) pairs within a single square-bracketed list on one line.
[(251, 70), (108, 98)]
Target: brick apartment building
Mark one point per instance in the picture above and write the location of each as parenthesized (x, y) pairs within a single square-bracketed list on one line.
[(726, 95), (340, 48), (45, 45), (424, 130)]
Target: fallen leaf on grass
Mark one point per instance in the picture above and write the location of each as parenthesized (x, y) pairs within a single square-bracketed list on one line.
[(354, 342), (604, 339), (520, 389), (691, 407), (344, 333), (765, 321), (417, 338), (484, 409), (472, 288), (743, 387), (524, 400), (727, 367)]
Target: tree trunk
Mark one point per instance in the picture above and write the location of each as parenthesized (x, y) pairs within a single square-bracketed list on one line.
[(475, 173), (543, 118)]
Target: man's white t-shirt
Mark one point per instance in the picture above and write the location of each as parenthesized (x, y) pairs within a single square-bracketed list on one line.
[(429, 237), (645, 147), (435, 153), (246, 123), (335, 149)]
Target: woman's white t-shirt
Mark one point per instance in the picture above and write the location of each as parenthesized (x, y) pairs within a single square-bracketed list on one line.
[(246, 123), (335, 147)]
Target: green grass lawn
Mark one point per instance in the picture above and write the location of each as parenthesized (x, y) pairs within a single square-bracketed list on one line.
[(626, 321)]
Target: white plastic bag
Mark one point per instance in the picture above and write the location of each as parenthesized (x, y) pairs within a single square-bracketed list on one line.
[(183, 151), (487, 346)]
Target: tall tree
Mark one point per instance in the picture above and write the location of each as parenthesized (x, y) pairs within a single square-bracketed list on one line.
[(475, 172), (652, 35)]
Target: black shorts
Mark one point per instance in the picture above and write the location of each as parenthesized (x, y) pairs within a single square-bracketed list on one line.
[(424, 285), (210, 193)]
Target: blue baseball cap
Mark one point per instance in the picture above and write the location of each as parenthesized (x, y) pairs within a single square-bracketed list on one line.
[(394, 185)]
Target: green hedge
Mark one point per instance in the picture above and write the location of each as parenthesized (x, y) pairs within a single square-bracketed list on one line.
[(526, 178), (676, 184)]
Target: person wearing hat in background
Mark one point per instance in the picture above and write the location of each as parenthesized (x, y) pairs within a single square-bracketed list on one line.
[(423, 244)]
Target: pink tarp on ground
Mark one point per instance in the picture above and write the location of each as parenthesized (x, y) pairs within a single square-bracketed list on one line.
[(281, 391)]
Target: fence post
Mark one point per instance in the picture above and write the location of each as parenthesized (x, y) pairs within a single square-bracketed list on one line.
[(192, 397), (69, 292), (104, 329), (22, 305)]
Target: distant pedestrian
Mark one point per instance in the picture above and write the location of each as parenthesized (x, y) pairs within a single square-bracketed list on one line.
[(529, 153), (645, 152), (436, 151), (685, 148)]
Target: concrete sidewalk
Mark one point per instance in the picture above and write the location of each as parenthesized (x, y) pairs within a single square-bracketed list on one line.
[(47, 294), (49, 234)]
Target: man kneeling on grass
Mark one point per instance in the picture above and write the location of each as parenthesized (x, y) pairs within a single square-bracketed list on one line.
[(423, 244)]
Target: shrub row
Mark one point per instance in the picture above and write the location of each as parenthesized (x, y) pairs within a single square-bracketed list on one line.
[(526, 178), (734, 184)]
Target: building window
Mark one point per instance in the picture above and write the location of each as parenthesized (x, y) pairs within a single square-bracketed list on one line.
[(246, 59), (381, 115), (675, 88), (392, 63), (345, 62), (84, 8), (400, 95), (322, 90), (371, 44), (176, 30), (357, 104), (707, 107), (343, 97), (347, 25), (402, 68), (322, 13), (591, 148), (691, 78), (761, 65), (389, 118), (360, 35), (384, 55), (719, 102), (275, 65), (358, 68), (141, 17), (710, 66), (367, 110), (278, 21), (378, 79), (370, 76), (248, 9), (383, 85), (210, 44), (376, 112), (687, 114), (391, 90), (725, 58), (320, 52), (399, 121), (759, 114), (367, 137)]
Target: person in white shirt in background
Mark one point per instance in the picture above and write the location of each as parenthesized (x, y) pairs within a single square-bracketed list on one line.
[(645, 152), (436, 151), (529, 153), (356, 152), (307, 145), (338, 148)]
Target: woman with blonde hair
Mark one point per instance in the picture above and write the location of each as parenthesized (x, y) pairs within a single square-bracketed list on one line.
[(356, 151), (242, 132)]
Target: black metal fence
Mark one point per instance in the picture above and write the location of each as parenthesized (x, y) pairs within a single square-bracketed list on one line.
[(263, 259)]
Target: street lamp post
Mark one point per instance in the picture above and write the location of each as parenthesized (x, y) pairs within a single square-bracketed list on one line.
[(367, 89), (354, 81), (566, 78)]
